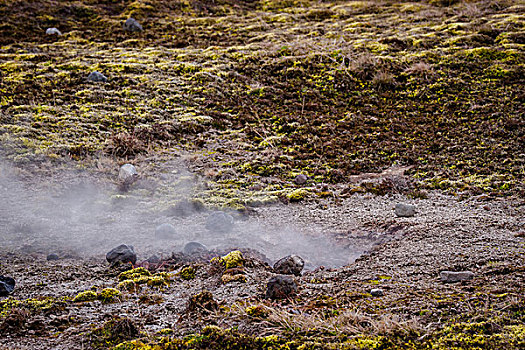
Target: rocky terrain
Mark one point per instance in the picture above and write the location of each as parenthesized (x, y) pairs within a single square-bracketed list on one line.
[(376, 146)]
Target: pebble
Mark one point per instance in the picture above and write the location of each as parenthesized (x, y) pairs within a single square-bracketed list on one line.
[(52, 256), (165, 231), (53, 31), (219, 222), (289, 265), (123, 253), (194, 247), (453, 276), (131, 25), (128, 173), (281, 287), (377, 292), (97, 77), (405, 210), (300, 179), (7, 285)]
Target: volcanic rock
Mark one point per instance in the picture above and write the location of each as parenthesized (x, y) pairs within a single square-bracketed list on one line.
[(453, 276), (127, 173), (123, 254), (377, 292), (53, 31), (300, 179), (289, 265), (281, 287), (194, 247), (405, 210), (165, 231), (131, 25), (7, 285), (52, 256), (97, 77), (219, 222)]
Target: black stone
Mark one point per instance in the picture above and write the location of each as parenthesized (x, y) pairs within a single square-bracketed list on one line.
[(289, 265), (194, 247), (52, 256), (7, 285), (123, 254), (281, 287)]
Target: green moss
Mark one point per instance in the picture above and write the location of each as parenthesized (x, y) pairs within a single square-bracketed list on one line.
[(108, 295), (128, 285), (87, 295), (298, 195), (257, 311), (134, 274), (232, 259), (187, 273)]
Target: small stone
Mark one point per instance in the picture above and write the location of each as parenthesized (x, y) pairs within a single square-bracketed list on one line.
[(452, 276), (128, 173), (53, 31), (7, 285), (131, 25), (377, 292), (289, 265), (194, 247), (405, 210), (219, 222), (281, 287), (52, 257), (97, 77), (300, 179), (165, 231), (122, 254)]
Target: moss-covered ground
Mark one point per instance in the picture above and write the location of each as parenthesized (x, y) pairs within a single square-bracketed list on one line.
[(263, 89)]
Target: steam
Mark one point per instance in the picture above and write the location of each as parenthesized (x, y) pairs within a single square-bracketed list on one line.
[(79, 216)]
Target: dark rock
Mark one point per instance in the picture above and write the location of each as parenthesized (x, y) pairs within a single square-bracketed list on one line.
[(405, 210), (219, 222), (165, 231), (131, 25), (97, 77), (203, 302), (52, 256), (7, 285), (377, 292), (281, 287), (128, 173), (300, 179), (194, 247), (53, 31), (452, 276), (289, 265), (122, 254)]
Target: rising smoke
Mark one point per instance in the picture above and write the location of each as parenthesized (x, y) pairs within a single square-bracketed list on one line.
[(76, 216)]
